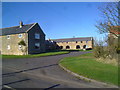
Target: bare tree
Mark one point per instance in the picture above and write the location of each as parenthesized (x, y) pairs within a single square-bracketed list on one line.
[(110, 24), (110, 13)]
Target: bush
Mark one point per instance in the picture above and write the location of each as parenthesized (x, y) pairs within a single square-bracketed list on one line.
[(22, 42), (110, 51), (99, 49)]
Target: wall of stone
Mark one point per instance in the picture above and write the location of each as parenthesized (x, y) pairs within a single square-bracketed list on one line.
[(74, 45), (10, 45)]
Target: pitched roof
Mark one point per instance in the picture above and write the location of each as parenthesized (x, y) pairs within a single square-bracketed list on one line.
[(16, 29), (73, 39), (115, 30)]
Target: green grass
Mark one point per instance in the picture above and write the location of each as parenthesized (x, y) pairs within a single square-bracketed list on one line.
[(87, 66), (35, 55)]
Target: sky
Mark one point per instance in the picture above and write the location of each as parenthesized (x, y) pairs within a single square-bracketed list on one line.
[(57, 19)]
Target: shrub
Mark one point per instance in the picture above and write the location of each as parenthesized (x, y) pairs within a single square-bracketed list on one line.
[(109, 52), (22, 42), (98, 49)]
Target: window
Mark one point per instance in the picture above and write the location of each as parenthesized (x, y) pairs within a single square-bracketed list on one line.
[(8, 47), (20, 35), (20, 47), (37, 36), (37, 45), (8, 36)]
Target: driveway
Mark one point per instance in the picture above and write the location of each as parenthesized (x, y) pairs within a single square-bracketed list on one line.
[(42, 72)]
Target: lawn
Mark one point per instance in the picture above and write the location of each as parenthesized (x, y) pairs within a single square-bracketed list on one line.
[(86, 65), (35, 55)]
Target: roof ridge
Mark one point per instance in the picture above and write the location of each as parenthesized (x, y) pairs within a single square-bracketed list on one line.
[(31, 26), (71, 38), (14, 26)]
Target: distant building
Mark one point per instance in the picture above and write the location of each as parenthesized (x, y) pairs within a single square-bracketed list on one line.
[(31, 35), (51, 45), (114, 37), (75, 43), (114, 31)]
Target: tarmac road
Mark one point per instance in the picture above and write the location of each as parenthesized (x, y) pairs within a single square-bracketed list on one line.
[(42, 72)]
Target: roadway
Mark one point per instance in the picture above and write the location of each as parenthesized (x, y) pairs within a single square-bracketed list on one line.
[(42, 72)]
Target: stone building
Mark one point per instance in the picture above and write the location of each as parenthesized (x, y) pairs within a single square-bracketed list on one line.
[(114, 37), (75, 43), (22, 39)]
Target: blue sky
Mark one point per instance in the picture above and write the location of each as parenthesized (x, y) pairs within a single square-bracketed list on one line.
[(57, 19)]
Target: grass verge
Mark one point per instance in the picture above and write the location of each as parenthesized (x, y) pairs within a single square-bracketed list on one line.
[(35, 55), (86, 65)]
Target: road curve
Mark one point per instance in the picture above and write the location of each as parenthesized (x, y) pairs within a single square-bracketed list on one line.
[(42, 72)]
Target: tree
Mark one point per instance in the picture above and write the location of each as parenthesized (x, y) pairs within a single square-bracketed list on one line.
[(110, 24), (110, 13)]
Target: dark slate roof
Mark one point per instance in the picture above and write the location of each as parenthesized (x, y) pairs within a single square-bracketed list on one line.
[(15, 29), (49, 42), (73, 39)]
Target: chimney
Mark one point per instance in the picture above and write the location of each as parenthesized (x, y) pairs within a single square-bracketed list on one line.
[(21, 24)]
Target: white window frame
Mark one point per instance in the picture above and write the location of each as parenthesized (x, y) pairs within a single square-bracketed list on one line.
[(20, 35), (8, 47), (37, 45), (37, 36), (8, 36)]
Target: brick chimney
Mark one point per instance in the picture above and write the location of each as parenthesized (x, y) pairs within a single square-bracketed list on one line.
[(21, 24)]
